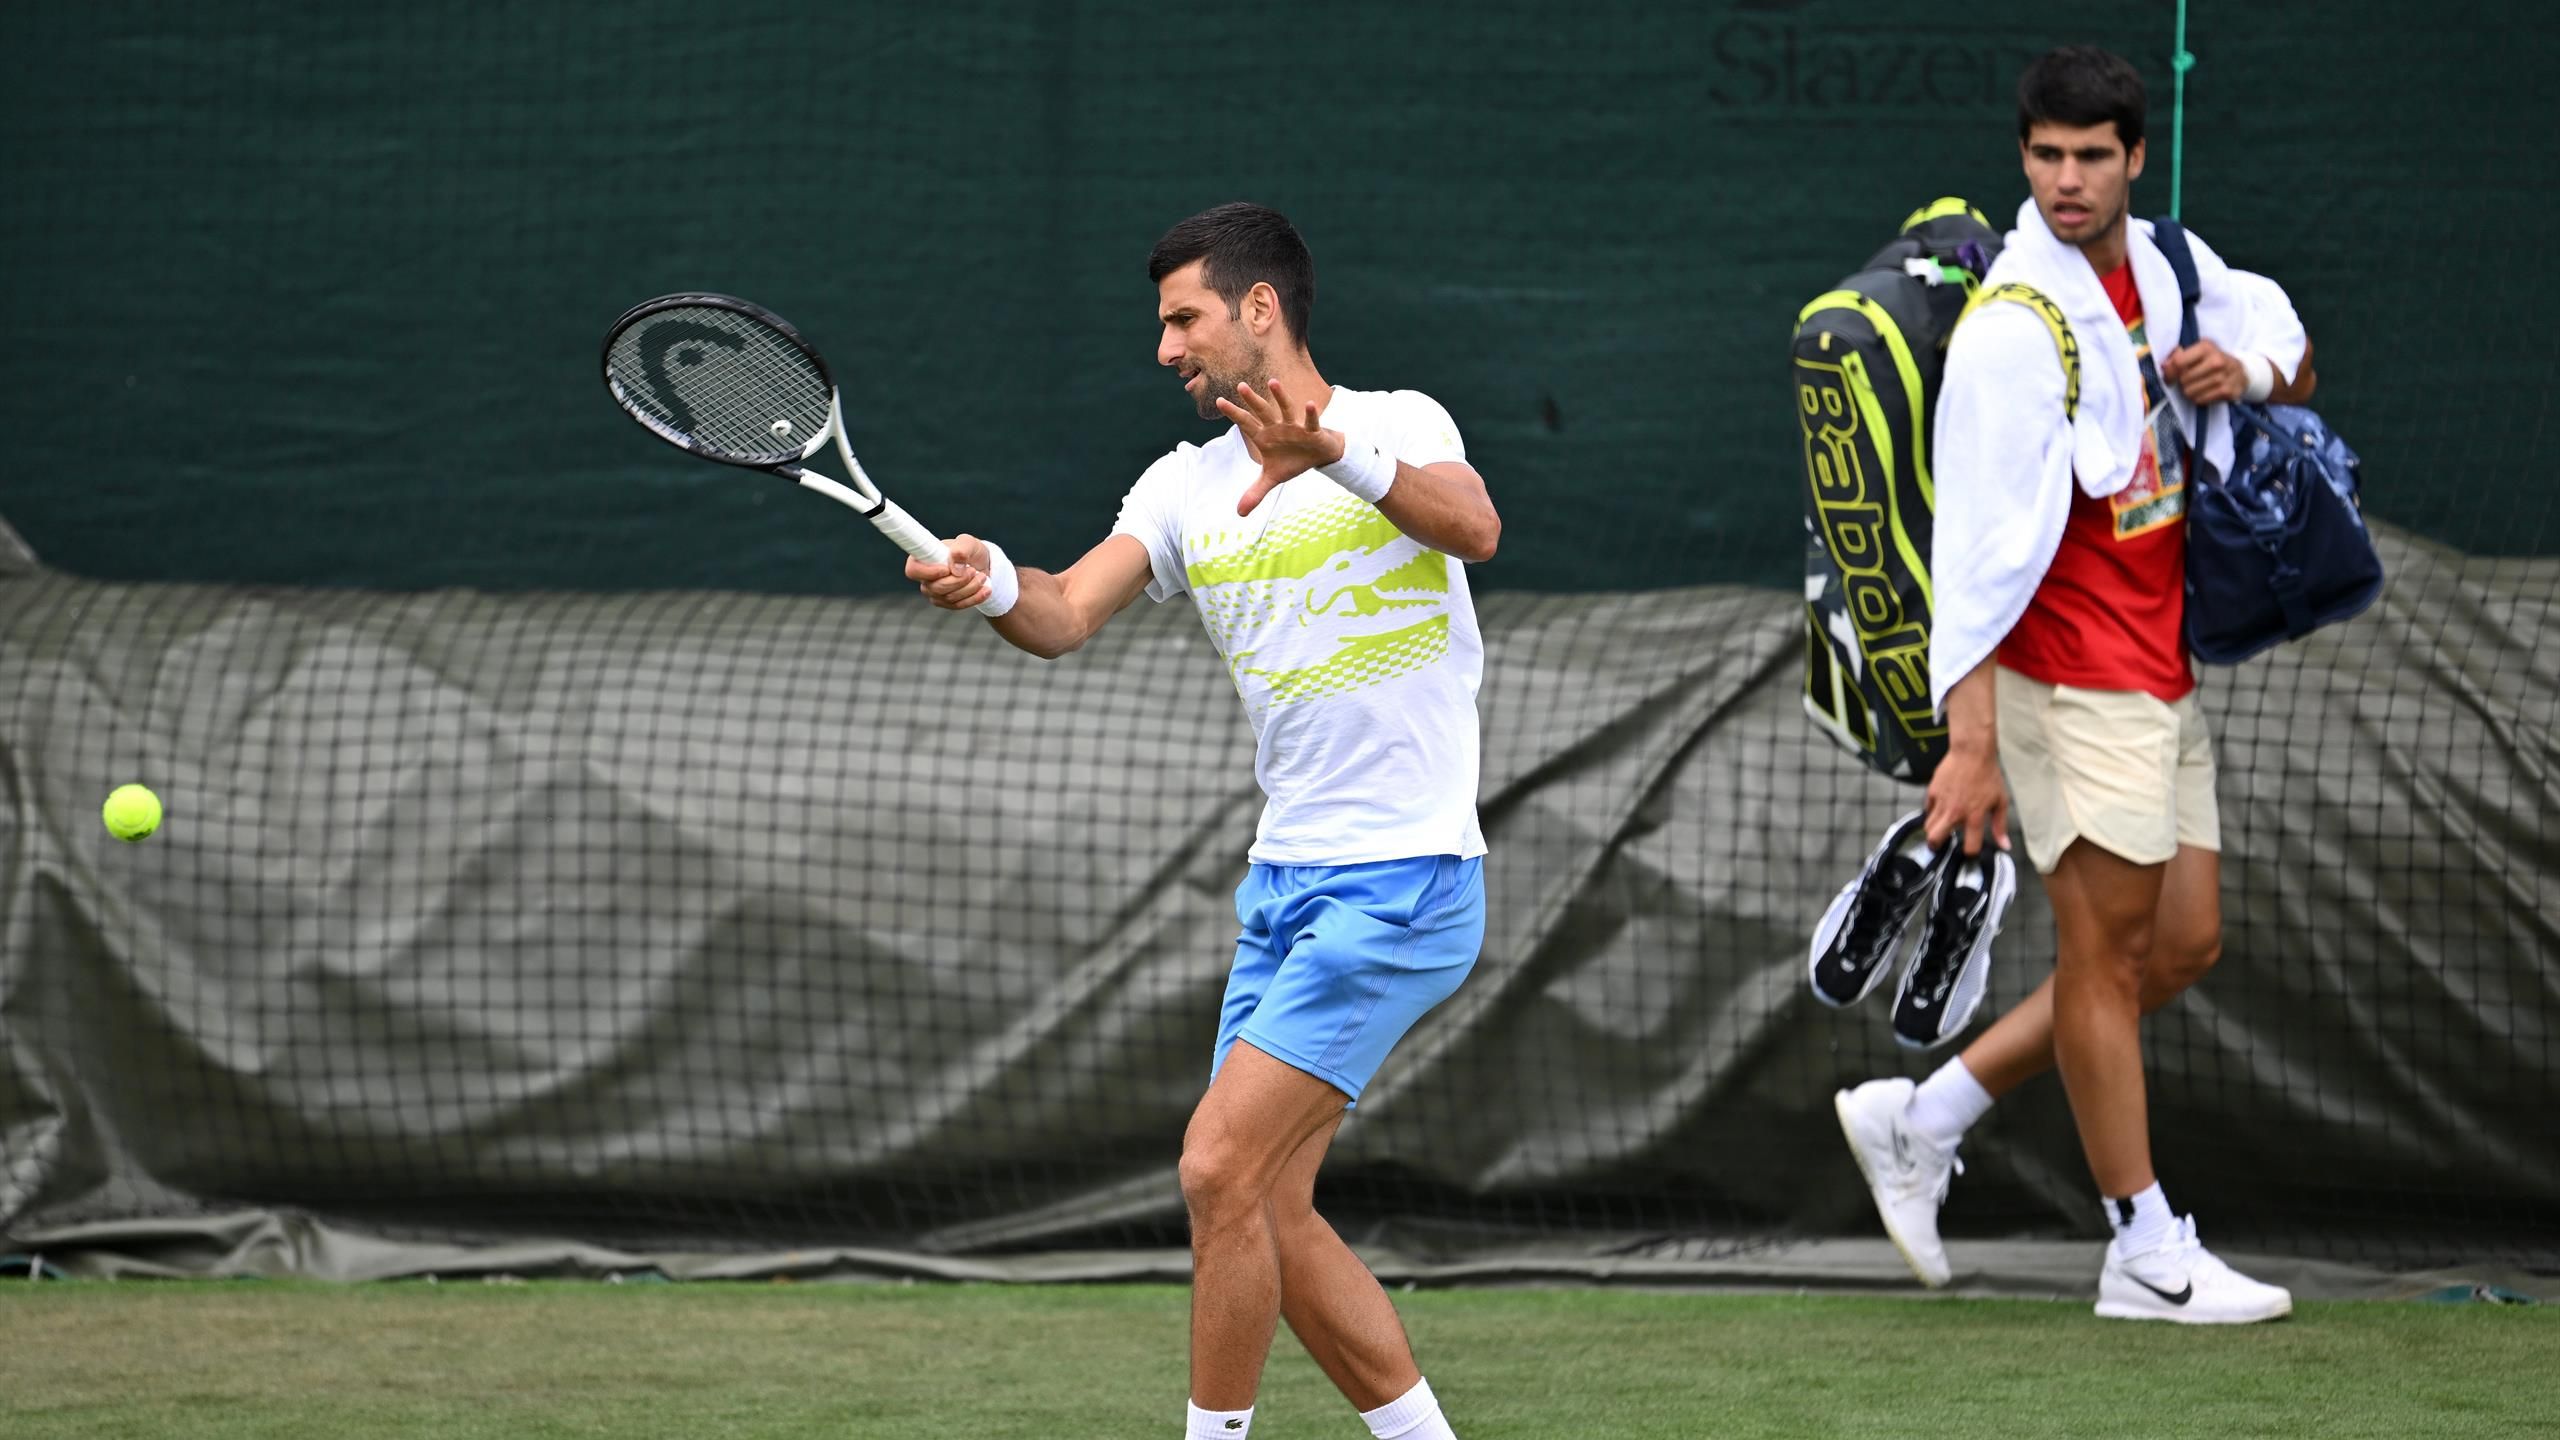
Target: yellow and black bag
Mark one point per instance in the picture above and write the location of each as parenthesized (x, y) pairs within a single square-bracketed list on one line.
[(1867, 361)]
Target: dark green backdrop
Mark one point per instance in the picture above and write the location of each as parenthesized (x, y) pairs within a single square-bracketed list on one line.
[(306, 294)]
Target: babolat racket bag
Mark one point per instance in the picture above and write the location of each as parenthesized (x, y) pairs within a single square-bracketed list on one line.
[(1868, 355)]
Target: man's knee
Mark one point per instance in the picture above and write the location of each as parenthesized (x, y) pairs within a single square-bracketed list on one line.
[(2177, 965), (1219, 1179), (2119, 956)]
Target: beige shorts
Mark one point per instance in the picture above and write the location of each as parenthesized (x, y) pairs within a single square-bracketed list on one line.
[(2124, 770)]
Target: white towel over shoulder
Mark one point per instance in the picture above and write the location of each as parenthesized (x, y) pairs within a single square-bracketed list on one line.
[(2004, 461)]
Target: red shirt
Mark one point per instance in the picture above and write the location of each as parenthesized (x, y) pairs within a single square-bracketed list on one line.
[(2111, 613)]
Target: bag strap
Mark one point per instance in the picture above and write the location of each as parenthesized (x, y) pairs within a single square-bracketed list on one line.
[(2064, 342), (2171, 237)]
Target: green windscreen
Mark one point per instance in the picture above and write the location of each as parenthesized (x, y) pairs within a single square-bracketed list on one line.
[(311, 294)]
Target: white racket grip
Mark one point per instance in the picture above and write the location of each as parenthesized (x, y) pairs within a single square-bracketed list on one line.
[(902, 529), (916, 540)]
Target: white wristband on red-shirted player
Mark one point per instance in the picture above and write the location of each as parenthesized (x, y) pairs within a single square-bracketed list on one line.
[(1364, 469), (2262, 377)]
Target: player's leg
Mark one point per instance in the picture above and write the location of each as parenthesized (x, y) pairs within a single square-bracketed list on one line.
[(2108, 922), (1235, 1288), (1334, 966), (2154, 1270), (2186, 936), (1375, 948), (2187, 939), (2105, 913), (1341, 1314), (1257, 1115), (2137, 777)]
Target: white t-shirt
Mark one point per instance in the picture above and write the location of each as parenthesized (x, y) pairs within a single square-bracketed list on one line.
[(1353, 646)]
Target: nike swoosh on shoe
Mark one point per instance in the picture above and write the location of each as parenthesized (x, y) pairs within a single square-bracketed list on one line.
[(2180, 1297)]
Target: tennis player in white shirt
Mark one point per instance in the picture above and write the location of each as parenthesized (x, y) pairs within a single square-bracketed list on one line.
[(1324, 540)]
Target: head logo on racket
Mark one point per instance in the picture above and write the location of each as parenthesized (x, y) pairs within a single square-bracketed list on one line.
[(670, 334)]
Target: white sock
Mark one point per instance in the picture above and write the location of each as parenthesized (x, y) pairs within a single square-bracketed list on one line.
[(1946, 1105), (2142, 1222), (1218, 1424), (1415, 1415)]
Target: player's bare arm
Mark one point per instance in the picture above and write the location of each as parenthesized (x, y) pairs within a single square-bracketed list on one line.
[(1056, 613), (1967, 797), (1443, 505)]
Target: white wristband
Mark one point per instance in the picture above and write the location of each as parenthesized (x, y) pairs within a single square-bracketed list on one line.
[(1364, 470), (2262, 377), (1004, 587)]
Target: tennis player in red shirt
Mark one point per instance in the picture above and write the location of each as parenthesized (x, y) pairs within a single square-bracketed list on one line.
[(2059, 656)]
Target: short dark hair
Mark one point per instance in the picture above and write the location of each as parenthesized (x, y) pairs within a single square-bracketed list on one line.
[(1244, 244), (2082, 85)]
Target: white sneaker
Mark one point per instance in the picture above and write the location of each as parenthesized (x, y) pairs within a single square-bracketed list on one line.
[(2182, 1281), (1907, 1175)]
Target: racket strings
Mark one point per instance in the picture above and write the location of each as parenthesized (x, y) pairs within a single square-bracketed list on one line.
[(722, 381)]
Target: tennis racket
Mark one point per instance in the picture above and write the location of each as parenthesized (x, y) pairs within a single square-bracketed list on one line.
[(733, 382)]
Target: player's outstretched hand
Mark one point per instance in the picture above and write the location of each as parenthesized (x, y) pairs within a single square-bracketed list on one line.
[(1292, 440), (960, 585), (1967, 798)]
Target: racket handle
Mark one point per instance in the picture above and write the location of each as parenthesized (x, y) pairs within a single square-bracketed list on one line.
[(897, 524), (907, 535), (916, 540)]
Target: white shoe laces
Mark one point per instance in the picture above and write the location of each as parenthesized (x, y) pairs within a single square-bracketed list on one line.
[(2181, 1248)]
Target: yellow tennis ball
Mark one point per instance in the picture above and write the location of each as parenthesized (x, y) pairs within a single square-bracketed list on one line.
[(132, 812)]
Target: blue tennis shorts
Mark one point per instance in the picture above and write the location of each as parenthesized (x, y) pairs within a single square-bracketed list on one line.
[(1336, 962)]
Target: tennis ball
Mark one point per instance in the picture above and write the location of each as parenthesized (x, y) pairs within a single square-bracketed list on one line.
[(132, 812)]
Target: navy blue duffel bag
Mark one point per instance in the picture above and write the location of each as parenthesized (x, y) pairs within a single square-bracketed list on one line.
[(2277, 548)]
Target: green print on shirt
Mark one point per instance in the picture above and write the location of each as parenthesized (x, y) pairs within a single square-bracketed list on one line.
[(1312, 564), (1360, 663), (1426, 573), (1293, 548)]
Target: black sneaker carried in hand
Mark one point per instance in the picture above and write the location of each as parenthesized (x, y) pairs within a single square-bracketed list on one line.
[(1861, 934), (1947, 978)]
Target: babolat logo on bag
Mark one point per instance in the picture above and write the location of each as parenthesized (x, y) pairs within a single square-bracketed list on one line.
[(1868, 355)]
